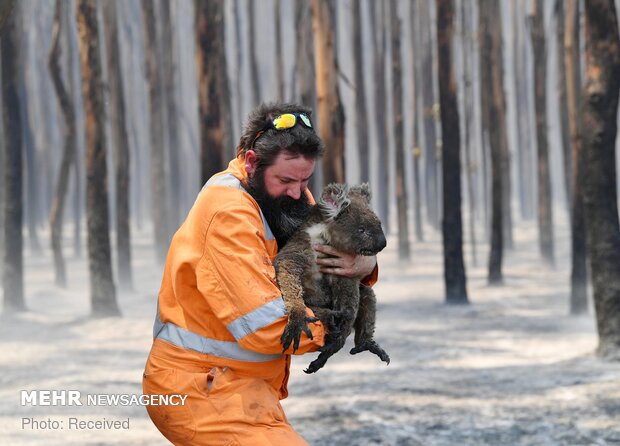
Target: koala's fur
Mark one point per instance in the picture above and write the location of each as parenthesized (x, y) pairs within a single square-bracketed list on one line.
[(344, 220)]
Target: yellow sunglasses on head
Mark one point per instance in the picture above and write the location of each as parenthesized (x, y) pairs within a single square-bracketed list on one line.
[(285, 121), (289, 120)]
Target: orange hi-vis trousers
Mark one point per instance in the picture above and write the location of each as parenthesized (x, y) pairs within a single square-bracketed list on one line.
[(224, 405)]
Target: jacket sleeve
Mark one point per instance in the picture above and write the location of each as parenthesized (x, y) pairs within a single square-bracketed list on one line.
[(247, 300)]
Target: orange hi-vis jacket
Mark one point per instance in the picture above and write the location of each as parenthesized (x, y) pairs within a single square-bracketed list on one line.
[(219, 320)]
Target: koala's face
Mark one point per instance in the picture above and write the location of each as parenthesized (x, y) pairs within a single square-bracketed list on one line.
[(357, 229)]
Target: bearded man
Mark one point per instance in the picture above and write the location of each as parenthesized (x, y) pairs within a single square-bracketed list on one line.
[(220, 314)]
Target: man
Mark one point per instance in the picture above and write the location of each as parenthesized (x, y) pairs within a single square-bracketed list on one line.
[(220, 315)]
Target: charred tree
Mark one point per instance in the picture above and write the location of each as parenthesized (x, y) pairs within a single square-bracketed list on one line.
[(168, 61), (600, 110), (413, 119), (361, 118), (572, 65), (103, 292), (70, 146), (278, 50), (379, 43), (523, 133), (431, 153), (157, 123), (565, 139), (399, 136), (13, 280), (331, 111), (252, 54), (545, 210), (491, 76), (120, 138), (305, 73), (452, 227), (209, 46), (467, 43)]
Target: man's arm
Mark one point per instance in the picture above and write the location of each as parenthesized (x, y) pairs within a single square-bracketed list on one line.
[(248, 302)]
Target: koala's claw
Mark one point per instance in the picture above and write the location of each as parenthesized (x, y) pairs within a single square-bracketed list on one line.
[(292, 332), (372, 347)]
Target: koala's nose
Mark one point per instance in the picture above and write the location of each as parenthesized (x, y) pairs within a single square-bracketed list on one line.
[(381, 242)]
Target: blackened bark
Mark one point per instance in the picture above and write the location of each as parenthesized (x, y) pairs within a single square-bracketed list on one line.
[(490, 75), (331, 111), (157, 122), (572, 59), (600, 200), (565, 140), (415, 112), (278, 50), (70, 147), (452, 227), (103, 292), (209, 45), (379, 42), (361, 118), (252, 55), (545, 210), (13, 172), (120, 140), (399, 149), (429, 113)]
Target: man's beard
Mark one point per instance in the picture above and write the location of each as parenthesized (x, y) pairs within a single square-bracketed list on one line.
[(283, 214)]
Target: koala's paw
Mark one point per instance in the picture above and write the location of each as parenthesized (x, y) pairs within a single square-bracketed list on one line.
[(371, 346), (292, 332)]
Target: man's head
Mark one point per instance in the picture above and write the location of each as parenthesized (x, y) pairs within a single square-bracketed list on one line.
[(279, 160)]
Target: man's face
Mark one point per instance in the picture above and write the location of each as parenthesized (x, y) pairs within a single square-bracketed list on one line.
[(279, 191)]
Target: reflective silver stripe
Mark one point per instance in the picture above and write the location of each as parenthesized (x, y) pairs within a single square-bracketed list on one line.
[(257, 319), (224, 349), (229, 180)]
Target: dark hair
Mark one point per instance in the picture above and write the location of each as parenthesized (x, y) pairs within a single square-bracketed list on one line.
[(299, 140)]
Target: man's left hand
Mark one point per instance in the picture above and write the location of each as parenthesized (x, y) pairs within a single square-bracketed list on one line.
[(344, 264)]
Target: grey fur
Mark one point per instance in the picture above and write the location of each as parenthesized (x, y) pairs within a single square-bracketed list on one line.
[(343, 219)]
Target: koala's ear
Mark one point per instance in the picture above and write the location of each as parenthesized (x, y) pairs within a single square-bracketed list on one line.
[(334, 199), (363, 190)]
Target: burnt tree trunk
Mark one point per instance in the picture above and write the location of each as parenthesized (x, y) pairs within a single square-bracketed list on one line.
[(209, 45), (399, 136), (600, 110), (168, 60), (278, 51), (452, 227), (415, 112), (331, 111), (120, 138), (545, 210), (572, 65), (70, 147), (467, 43), (252, 54), (379, 42), (103, 292), (157, 122), (361, 118), (429, 114), (565, 139), (13, 171), (305, 73), (492, 102)]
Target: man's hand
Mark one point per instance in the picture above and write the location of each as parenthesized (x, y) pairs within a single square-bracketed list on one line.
[(340, 263)]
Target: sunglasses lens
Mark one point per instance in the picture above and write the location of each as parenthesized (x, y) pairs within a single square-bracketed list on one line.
[(285, 121), (305, 120)]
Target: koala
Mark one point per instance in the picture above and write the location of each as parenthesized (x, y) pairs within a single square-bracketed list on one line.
[(343, 219)]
